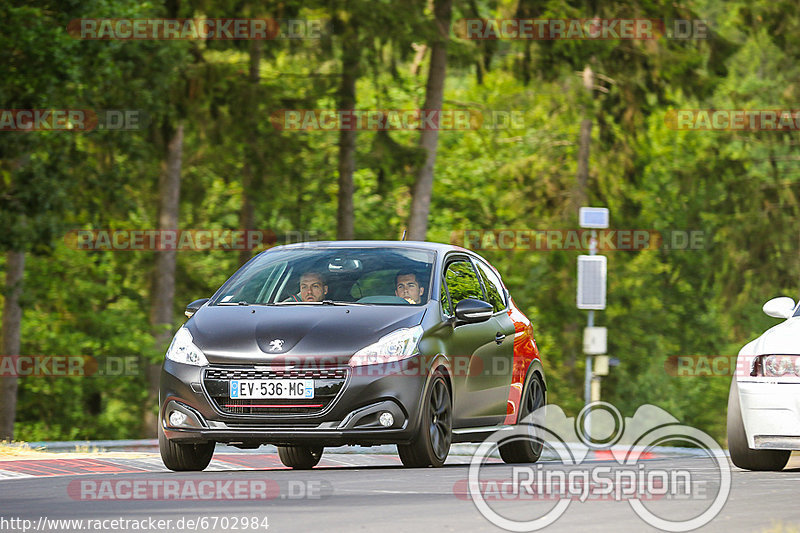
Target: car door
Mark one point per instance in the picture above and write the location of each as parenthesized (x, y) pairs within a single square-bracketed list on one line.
[(472, 350), (502, 365)]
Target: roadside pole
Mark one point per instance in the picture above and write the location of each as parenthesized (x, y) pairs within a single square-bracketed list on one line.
[(591, 295)]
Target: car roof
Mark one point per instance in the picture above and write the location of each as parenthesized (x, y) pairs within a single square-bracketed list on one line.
[(424, 245)]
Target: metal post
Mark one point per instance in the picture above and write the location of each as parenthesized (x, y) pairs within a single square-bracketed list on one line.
[(587, 383), (592, 296)]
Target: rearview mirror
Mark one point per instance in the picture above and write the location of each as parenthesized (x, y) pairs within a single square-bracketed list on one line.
[(780, 307), (192, 308), (339, 264), (469, 311)]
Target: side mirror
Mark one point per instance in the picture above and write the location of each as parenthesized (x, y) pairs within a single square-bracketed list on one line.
[(194, 306), (780, 307), (469, 311)]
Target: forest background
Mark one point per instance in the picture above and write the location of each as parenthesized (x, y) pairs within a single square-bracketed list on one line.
[(581, 122)]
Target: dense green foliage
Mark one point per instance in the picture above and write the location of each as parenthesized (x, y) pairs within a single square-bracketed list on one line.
[(739, 188)]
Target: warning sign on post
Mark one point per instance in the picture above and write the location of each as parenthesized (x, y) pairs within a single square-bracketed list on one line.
[(591, 282)]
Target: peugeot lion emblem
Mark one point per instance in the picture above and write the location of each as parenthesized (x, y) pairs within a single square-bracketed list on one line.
[(275, 345)]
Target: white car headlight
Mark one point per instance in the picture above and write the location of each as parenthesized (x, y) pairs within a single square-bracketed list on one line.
[(395, 346), (776, 366), (183, 350)]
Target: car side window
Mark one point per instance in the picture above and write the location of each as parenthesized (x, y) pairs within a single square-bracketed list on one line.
[(494, 289), (447, 307), (462, 281)]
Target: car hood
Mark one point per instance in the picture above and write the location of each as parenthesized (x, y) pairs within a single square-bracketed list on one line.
[(283, 334), (781, 339)]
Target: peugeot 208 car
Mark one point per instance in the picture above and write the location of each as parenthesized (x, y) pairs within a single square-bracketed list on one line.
[(351, 343)]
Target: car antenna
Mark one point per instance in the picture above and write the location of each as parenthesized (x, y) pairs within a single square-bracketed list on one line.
[(404, 235)]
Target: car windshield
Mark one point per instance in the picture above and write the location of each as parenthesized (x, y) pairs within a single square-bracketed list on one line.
[(308, 276)]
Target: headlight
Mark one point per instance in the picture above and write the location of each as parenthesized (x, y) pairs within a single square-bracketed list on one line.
[(183, 350), (775, 366), (395, 346)]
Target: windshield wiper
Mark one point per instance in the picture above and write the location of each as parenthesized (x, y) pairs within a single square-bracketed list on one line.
[(323, 302), (242, 302)]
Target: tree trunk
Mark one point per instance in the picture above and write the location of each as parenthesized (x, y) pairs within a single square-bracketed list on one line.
[(12, 324), (247, 213), (581, 196), (428, 140), (347, 136), (163, 296)]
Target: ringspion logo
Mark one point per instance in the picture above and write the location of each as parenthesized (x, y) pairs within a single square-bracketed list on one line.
[(687, 499)]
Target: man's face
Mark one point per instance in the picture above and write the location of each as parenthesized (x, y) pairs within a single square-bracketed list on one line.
[(312, 289), (408, 288)]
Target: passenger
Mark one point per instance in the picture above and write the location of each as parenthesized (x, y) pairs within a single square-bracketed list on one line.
[(407, 287), (313, 288)]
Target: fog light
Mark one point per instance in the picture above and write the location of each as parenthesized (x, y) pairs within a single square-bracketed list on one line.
[(176, 418), (386, 419)]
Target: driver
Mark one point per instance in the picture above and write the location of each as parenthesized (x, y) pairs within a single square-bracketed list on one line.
[(407, 287), (313, 288)]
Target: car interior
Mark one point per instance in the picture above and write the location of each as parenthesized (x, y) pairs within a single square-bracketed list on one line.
[(356, 277)]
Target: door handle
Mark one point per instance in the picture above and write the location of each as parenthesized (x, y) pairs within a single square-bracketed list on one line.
[(499, 338)]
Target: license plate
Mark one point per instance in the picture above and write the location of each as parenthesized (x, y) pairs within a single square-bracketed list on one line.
[(272, 388)]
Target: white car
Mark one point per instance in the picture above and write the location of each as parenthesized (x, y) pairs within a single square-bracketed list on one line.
[(764, 400)]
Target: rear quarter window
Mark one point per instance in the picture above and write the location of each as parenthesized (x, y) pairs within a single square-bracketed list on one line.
[(494, 289)]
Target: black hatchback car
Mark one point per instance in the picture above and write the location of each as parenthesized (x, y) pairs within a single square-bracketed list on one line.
[(358, 342)]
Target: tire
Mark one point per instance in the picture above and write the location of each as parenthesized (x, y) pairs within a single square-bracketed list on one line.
[(184, 457), (741, 454), (300, 457), (526, 450), (432, 442)]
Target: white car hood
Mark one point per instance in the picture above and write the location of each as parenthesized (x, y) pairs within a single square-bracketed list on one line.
[(781, 339)]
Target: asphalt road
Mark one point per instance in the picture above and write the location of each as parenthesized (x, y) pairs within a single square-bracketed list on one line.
[(356, 492)]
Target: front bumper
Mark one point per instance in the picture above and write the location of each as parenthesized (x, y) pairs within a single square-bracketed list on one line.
[(351, 418), (771, 414)]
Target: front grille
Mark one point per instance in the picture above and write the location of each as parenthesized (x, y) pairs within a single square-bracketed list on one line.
[(289, 373), (328, 382)]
